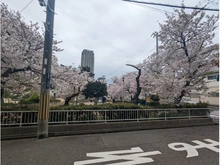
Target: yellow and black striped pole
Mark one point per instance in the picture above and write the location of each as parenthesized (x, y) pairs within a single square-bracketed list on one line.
[(43, 114), (44, 107)]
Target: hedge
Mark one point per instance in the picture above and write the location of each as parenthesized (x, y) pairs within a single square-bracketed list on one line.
[(34, 107)]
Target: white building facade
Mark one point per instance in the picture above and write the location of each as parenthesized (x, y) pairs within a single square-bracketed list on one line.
[(212, 94)]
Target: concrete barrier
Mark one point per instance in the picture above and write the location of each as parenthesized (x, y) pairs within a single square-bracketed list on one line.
[(88, 128)]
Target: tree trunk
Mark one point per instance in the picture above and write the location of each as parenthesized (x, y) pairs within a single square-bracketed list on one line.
[(67, 100), (138, 84), (136, 100), (183, 92), (178, 99), (2, 95)]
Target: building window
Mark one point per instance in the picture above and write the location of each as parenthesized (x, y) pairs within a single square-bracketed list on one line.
[(213, 94), (213, 77)]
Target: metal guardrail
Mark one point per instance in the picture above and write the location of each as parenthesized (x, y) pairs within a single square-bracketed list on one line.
[(21, 118)]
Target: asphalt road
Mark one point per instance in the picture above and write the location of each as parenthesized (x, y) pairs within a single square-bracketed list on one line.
[(179, 146)]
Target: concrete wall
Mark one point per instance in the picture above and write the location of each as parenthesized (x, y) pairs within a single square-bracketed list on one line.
[(210, 100), (88, 128)]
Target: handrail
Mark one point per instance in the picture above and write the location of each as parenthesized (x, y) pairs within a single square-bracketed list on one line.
[(22, 118)]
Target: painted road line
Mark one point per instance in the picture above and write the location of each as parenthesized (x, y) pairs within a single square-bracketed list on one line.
[(191, 150), (136, 158)]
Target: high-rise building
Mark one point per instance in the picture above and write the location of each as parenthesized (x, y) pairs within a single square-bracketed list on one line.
[(87, 59)]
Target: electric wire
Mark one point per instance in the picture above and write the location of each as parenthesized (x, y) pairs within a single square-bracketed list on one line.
[(142, 47), (26, 6), (133, 57), (138, 52), (138, 56), (173, 6), (154, 8)]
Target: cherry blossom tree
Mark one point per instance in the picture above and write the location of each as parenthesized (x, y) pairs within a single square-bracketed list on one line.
[(128, 87), (115, 89), (21, 52), (186, 55), (69, 81)]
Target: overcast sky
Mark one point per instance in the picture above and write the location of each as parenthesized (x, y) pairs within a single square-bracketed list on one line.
[(118, 32)]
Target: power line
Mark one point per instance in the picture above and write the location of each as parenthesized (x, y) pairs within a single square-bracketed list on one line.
[(138, 56), (156, 9), (167, 5), (26, 6), (141, 48), (132, 56)]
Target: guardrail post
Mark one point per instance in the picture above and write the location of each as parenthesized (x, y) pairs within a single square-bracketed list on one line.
[(21, 119), (189, 113), (165, 114), (208, 113), (105, 116), (67, 116), (137, 115)]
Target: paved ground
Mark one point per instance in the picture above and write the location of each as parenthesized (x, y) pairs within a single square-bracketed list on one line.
[(182, 146)]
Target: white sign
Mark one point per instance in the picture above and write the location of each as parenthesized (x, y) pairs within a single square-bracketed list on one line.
[(191, 150), (133, 156)]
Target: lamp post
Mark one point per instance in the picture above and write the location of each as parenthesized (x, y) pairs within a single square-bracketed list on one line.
[(43, 114)]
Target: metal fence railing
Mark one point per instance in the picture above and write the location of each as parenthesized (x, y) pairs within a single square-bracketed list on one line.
[(21, 118)]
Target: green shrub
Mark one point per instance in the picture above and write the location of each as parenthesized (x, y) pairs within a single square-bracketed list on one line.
[(198, 105), (154, 104), (155, 98), (101, 106), (20, 107), (142, 101), (30, 98)]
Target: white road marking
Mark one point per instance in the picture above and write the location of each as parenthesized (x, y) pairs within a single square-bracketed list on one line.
[(131, 159), (191, 150), (138, 156)]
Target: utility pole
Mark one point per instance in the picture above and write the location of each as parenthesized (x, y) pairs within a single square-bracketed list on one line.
[(155, 34), (43, 114), (123, 79)]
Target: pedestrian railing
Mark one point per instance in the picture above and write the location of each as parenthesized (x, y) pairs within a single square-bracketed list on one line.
[(21, 118)]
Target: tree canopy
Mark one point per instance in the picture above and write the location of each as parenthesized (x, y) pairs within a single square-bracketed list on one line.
[(22, 57), (185, 56), (95, 89)]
